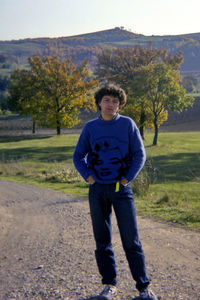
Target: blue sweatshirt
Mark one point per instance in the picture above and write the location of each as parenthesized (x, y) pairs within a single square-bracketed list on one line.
[(110, 150)]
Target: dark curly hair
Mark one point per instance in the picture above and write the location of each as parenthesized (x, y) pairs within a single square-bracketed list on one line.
[(111, 90)]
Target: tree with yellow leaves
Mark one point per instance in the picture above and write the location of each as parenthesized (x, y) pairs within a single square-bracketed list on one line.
[(52, 92)]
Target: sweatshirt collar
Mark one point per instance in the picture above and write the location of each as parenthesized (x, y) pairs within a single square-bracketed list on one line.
[(110, 121)]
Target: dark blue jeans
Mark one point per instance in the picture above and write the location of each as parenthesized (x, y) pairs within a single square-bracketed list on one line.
[(102, 197)]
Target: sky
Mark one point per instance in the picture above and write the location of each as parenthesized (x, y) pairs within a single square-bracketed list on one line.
[(21, 19)]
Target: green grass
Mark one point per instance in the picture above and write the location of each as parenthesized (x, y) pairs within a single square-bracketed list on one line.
[(42, 161), (175, 176), (173, 167), (194, 94)]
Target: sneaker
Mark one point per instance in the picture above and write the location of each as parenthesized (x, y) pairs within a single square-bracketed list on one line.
[(109, 291), (146, 294)]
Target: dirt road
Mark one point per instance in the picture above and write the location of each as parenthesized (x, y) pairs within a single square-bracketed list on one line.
[(47, 250)]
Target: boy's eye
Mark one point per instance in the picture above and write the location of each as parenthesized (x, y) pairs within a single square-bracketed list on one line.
[(108, 101)]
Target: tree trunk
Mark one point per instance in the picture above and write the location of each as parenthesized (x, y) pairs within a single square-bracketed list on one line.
[(142, 132), (155, 139), (33, 127), (141, 125), (58, 130), (58, 127)]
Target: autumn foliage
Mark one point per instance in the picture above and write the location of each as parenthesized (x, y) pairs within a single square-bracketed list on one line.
[(152, 80), (52, 92)]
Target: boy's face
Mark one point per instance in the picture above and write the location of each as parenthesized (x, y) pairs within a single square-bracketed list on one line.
[(109, 106)]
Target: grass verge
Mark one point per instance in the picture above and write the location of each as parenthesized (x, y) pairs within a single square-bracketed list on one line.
[(173, 170)]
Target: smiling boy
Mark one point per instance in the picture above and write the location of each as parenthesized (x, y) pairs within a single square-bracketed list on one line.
[(109, 154)]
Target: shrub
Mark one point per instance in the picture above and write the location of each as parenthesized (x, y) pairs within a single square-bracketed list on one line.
[(147, 176)]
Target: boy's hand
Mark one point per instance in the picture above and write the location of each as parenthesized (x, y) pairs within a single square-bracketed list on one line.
[(91, 180), (124, 181)]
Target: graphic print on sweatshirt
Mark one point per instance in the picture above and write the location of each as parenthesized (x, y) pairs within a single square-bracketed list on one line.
[(107, 161)]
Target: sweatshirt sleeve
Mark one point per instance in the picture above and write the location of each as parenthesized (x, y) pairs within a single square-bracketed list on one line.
[(137, 153), (80, 154)]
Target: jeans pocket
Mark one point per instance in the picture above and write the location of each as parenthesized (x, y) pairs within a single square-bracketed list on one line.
[(125, 190)]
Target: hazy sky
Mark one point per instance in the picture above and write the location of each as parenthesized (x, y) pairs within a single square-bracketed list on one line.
[(55, 18)]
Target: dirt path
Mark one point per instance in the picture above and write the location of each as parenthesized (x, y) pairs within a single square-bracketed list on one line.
[(47, 250)]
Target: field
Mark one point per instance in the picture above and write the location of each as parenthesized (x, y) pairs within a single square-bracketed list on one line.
[(168, 188)]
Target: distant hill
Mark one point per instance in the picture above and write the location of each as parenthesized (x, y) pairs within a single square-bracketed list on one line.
[(14, 54)]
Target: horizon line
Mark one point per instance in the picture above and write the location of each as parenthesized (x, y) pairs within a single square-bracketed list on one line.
[(92, 32)]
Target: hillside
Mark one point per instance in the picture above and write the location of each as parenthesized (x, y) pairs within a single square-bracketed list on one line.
[(14, 54), (188, 120)]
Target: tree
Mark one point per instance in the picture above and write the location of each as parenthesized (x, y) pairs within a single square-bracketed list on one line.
[(121, 66), (152, 79), (190, 83), (161, 85), (52, 92), (4, 81), (23, 96)]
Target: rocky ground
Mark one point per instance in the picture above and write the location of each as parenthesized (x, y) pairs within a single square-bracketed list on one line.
[(47, 250)]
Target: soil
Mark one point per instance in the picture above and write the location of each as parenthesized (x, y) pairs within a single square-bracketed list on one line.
[(47, 250)]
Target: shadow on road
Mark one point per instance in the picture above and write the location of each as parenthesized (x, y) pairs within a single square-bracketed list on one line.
[(104, 298), (95, 298)]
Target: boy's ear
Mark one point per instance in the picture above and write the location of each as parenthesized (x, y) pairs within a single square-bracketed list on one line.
[(98, 106)]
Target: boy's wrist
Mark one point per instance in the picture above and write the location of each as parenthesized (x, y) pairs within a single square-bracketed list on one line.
[(90, 180), (124, 181)]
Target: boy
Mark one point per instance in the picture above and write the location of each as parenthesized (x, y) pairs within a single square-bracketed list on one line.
[(108, 155)]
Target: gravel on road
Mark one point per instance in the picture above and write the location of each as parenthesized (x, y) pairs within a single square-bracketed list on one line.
[(47, 250)]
